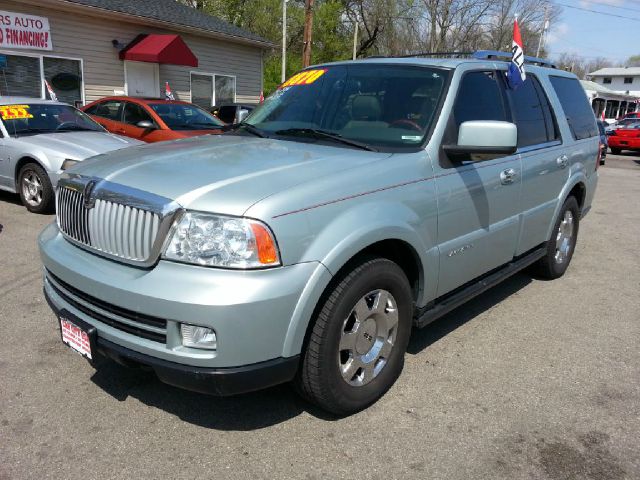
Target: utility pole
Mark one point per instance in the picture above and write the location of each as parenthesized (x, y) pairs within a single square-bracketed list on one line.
[(284, 40), (355, 39), (308, 25), (545, 27)]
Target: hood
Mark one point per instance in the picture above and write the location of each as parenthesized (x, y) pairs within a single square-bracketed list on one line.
[(197, 133), (223, 173), (78, 145)]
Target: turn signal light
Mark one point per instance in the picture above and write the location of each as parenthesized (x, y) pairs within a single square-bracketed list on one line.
[(267, 251)]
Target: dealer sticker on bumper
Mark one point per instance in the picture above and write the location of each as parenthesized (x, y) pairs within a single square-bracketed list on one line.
[(75, 337)]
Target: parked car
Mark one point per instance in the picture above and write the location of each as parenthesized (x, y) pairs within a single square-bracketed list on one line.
[(632, 115), (152, 120), (603, 141), (41, 139), (362, 199), (233, 112), (620, 124), (625, 138)]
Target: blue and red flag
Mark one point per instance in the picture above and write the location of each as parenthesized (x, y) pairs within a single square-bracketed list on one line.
[(516, 75)]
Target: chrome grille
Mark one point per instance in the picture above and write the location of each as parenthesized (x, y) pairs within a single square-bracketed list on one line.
[(118, 222)]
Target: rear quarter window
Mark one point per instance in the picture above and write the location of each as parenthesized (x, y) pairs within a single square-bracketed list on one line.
[(580, 116)]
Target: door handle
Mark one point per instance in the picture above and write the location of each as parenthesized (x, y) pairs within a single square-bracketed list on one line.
[(562, 161), (508, 176)]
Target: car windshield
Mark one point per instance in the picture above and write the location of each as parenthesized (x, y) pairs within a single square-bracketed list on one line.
[(386, 107), (185, 117), (38, 118)]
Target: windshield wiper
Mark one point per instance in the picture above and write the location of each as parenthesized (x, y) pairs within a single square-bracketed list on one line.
[(316, 133), (75, 129), (246, 126)]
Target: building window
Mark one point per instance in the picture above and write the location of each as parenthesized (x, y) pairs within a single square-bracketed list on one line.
[(202, 90), (628, 79), (606, 80), (65, 78), (24, 75), (208, 89), (225, 89)]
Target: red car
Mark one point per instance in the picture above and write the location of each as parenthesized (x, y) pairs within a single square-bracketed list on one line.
[(627, 138), (152, 120)]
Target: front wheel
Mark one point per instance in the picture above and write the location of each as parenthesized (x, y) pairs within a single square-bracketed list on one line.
[(35, 189), (356, 349), (562, 243)]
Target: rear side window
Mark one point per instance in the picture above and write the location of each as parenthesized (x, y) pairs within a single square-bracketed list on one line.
[(577, 110), (479, 98), (532, 114)]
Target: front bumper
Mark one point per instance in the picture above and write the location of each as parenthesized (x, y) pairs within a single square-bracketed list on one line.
[(212, 381), (141, 310)]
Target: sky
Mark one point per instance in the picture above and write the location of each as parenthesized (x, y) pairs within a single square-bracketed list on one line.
[(596, 35)]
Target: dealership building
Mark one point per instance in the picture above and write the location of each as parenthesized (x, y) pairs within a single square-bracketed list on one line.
[(89, 49)]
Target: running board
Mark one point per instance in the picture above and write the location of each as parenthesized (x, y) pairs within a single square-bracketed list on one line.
[(447, 303)]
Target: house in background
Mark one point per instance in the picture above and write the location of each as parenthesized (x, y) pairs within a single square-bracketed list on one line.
[(613, 104), (88, 49)]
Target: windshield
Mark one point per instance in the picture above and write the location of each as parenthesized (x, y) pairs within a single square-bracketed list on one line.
[(37, 118), (185, 117), (385, 106)]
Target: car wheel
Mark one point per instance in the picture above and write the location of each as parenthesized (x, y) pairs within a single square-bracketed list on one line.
[(356, 348), (35, 189), (616, 151), (563, 242)]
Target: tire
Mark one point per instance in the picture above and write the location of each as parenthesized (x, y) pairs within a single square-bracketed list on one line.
[(349, 308), (616, 151), (34, 188), (560, 248)]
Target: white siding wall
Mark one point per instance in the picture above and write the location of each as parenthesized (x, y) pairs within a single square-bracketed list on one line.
[(89, 38), (617, 84)]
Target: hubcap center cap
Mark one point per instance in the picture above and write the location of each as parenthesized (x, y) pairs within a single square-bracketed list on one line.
[(366, 336)]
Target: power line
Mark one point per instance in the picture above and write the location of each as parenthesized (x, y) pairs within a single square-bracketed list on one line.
[(612, 6), (633, 19)]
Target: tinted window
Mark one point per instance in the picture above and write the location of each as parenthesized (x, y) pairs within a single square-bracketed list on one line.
[(577, 110), (109, 109), (532, 114), (479, 98), (134, 113)]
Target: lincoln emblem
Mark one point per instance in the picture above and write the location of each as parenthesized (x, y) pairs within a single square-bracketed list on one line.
[(88, 200)]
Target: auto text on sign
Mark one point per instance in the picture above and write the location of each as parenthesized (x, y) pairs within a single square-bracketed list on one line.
[(18, 30)]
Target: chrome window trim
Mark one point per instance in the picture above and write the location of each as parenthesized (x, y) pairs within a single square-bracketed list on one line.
[(539, 146), (165, 208)]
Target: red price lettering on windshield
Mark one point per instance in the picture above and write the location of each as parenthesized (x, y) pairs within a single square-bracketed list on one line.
[(14, 112)]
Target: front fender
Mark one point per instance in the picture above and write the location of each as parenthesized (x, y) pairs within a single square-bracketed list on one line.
[(343, 236), (341, 239)]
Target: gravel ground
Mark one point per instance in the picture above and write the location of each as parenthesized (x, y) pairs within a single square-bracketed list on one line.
[(535, 379)]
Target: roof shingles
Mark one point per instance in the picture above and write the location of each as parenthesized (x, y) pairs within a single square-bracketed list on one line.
[(173, 12)]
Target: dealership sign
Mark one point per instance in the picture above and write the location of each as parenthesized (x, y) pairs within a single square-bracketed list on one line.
[(18, 30)]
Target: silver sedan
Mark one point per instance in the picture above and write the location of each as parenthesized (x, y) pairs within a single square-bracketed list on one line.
[(41, 139)]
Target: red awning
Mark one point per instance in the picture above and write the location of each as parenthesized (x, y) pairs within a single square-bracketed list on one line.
[(155, 48)]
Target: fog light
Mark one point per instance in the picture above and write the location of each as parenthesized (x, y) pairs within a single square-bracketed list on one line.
[(198, 337)]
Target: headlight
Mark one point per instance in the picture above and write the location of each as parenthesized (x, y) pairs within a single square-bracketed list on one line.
[(219, 241), (68, 163)]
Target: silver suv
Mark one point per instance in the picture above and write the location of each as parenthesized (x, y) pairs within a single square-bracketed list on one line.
[(361, 199)]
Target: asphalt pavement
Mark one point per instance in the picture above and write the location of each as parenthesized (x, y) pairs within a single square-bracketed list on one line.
[(534, 379)]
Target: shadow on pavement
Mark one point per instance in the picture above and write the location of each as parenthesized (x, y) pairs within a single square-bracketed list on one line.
[(421, 339), (253, 411), (10, 197)]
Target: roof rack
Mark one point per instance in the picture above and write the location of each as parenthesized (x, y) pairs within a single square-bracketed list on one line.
[(494, 54), (479, 55)]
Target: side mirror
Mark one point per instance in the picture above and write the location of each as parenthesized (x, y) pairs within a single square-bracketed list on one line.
[(146, 124), (242, 114), (485, 137)]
